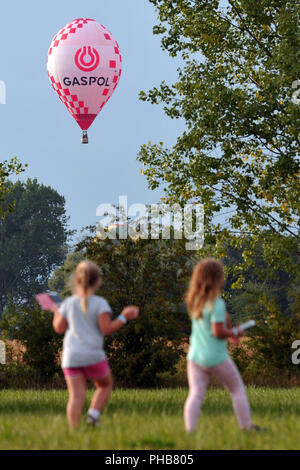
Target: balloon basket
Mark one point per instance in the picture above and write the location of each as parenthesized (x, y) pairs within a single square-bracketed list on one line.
[(84, 138)]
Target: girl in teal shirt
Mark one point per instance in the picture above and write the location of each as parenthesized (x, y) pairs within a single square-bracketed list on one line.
[(207, 356)]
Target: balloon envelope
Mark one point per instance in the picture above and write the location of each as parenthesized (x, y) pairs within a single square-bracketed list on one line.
[(84, 66)]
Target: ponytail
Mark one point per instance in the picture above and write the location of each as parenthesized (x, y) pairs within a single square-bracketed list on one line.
[(87, 274), (84, 305)]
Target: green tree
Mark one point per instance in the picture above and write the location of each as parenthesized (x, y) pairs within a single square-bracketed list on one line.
[(152, 275), (7, 169), (60, 281), (255, 282), (274, 304), (268, 349), (239, 154), (32, 240), (33, 328)]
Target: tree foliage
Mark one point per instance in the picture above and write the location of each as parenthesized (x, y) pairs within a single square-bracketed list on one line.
[(60, 281), (7, 169), (269, 346), (33, 329), (152, 275), (32, 240), (239, 154)]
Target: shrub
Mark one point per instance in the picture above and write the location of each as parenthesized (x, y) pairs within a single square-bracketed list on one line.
[(152, 275), (268, 349), (33, 329)]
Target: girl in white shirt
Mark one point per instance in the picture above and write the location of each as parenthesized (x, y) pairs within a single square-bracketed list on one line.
[(85, 318)]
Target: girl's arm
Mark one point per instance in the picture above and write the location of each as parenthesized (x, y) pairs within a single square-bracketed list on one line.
[(234, 340), (228, 320), (59, 323), (220, 331), (109, 326)]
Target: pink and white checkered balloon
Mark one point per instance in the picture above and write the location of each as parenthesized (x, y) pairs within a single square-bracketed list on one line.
[(84, 65)]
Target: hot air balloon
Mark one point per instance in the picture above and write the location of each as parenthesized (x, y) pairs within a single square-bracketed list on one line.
[(84, 66)]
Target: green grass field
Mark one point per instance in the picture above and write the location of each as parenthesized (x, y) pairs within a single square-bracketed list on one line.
[(149, 419)]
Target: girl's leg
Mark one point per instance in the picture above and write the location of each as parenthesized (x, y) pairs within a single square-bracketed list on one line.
[(76, 386), (227, 373), (101, 396), (198, 378)]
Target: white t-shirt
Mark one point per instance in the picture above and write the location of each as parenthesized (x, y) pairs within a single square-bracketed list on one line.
[(83, 341)]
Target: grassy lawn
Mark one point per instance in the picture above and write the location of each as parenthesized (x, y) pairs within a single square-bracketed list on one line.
[(149, 419)]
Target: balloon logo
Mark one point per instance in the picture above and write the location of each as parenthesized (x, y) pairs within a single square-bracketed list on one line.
[(84, 66), (87, 66)]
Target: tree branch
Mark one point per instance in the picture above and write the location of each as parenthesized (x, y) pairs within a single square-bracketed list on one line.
[(248, 30)]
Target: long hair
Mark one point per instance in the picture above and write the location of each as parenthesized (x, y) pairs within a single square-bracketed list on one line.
[(206, 281), (86, 275)]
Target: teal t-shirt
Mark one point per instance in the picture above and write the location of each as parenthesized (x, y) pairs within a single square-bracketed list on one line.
[(205, 349)]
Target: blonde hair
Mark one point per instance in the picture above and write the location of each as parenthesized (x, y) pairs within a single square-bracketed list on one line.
[(206, 282), (86, 275)]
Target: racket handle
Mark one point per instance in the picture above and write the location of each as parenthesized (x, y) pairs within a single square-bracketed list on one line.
[(247, 324)]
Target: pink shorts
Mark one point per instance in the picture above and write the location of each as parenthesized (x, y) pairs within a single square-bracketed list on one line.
[(93, 372)]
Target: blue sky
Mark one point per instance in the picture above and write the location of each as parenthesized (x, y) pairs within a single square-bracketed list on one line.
[(36, 127)]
